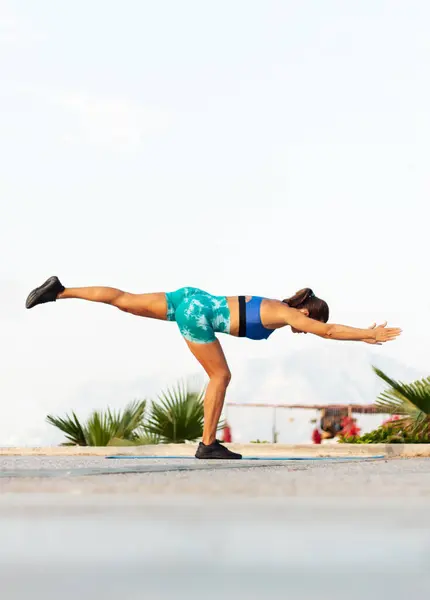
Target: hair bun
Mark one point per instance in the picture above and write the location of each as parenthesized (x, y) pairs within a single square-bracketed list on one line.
[(318, 308)]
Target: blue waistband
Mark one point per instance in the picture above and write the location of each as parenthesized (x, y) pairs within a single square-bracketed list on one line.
[(254, 327)]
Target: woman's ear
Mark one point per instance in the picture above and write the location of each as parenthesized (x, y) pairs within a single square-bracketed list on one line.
[(304, 311)]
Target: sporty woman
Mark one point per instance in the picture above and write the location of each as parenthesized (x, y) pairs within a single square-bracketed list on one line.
[(200, 315)]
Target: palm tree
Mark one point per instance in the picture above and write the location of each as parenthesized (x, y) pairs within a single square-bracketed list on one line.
[(178, 414), (176, 417), (411, 402), (75, 432), (103, 428), (126, 425)]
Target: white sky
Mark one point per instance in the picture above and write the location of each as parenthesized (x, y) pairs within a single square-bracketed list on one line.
[(239, 146)]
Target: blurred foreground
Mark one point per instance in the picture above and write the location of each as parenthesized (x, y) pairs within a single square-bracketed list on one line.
[(300, 530)]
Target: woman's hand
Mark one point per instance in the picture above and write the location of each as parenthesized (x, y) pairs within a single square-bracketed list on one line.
[(383, 334)]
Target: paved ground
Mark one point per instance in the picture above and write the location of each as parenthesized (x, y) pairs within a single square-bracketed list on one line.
[(298, 530)]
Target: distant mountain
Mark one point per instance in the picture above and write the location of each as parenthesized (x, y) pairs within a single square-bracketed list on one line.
[(341, 374)]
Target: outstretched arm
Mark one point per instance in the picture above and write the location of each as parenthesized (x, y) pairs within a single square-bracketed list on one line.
[(372, 335)]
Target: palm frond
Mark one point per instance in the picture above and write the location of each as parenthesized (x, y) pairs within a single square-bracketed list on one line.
[(410, 401), (177, 416), (75, 433), (99, 429), (102, 427), (123, 425), (416, 393)]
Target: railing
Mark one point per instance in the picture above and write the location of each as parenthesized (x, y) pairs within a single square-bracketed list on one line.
[(352, 408)]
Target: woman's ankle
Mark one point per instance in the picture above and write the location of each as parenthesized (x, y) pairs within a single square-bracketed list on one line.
[(208, 440)]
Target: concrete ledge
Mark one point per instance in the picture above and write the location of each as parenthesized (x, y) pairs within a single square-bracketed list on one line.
[(389, 450)]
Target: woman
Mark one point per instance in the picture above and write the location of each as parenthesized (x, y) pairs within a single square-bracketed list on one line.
[(200, 315)]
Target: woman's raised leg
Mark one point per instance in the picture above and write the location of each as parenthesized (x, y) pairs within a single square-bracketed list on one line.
[(143, 305)]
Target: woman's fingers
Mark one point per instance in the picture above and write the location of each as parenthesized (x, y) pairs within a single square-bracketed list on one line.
[(392, 332), (388, 334)]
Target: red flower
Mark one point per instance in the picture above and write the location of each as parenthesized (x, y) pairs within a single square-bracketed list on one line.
[(316, 436), (350, 427)]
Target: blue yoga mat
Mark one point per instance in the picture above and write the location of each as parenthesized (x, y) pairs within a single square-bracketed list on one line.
[(332, 458)]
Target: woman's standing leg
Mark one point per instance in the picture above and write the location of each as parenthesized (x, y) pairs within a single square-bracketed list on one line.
[(212, 359), (194, 317)]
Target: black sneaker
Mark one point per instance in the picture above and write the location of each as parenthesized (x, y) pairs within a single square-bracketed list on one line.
[(216, 451), (47, 292)]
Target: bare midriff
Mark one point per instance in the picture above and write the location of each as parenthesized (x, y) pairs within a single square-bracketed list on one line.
[(233, 305)]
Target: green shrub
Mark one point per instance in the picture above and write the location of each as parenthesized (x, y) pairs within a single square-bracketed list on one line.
[(388, 433), (409, 405), (175, 417)]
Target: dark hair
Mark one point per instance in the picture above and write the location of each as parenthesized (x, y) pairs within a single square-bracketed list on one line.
[(305, 298)]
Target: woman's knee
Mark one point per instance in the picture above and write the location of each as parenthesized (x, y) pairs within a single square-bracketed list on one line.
[(223, 379)]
